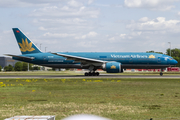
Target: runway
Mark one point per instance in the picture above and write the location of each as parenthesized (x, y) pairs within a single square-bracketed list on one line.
[(82, 76)]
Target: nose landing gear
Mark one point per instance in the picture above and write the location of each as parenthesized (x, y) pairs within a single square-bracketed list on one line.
[(161, 73)]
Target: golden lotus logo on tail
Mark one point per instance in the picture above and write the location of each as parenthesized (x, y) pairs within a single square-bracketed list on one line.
[(113, 67), (152, 56), (25, 46)]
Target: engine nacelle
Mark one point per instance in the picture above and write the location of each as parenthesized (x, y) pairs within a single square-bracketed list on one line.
[(112, 67)]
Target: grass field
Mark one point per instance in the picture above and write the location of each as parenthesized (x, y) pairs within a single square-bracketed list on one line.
[(118, 99)]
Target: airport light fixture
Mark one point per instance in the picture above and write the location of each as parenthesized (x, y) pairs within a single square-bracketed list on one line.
[(170, 47), (28, 66), (40, 45), (45, 49)]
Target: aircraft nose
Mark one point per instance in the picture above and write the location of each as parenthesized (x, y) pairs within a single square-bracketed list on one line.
[(174, 62)]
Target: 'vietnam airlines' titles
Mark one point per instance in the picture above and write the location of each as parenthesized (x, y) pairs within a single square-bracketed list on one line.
[(132, 56)]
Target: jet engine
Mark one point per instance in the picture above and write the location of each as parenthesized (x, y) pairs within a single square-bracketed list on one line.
[(112, 67)]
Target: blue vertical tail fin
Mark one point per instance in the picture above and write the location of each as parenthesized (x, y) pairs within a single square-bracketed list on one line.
[(25, 45)]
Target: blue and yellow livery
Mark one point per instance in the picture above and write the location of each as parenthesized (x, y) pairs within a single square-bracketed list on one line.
[(111, 62)]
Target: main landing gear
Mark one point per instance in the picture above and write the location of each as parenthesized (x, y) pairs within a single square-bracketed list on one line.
[(91, 73)]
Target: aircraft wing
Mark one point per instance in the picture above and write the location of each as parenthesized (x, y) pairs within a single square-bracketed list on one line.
[(80, 59), (22, 57)]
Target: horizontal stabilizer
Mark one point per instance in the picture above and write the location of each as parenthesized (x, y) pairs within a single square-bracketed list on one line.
[(22, 57)]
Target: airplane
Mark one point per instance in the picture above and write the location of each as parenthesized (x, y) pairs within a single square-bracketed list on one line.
[(111, 62)]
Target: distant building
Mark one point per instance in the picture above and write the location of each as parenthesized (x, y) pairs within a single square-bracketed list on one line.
[(5, 61)]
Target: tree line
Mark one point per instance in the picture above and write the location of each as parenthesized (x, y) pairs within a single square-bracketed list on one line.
[(20, 66)]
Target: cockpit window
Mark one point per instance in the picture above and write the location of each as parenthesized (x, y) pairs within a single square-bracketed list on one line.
[(170, 58)]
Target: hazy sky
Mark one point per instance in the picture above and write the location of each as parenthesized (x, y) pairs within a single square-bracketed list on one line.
[(91, 25)]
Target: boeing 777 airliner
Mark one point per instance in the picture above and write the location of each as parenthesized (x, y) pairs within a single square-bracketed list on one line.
[(111, 62)]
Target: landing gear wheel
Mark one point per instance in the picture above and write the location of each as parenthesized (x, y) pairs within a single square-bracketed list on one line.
[(97, 73), (93, 74), (86, 74), (90, 74)]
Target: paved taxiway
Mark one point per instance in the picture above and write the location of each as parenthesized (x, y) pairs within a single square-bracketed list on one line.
[(82, 76)]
